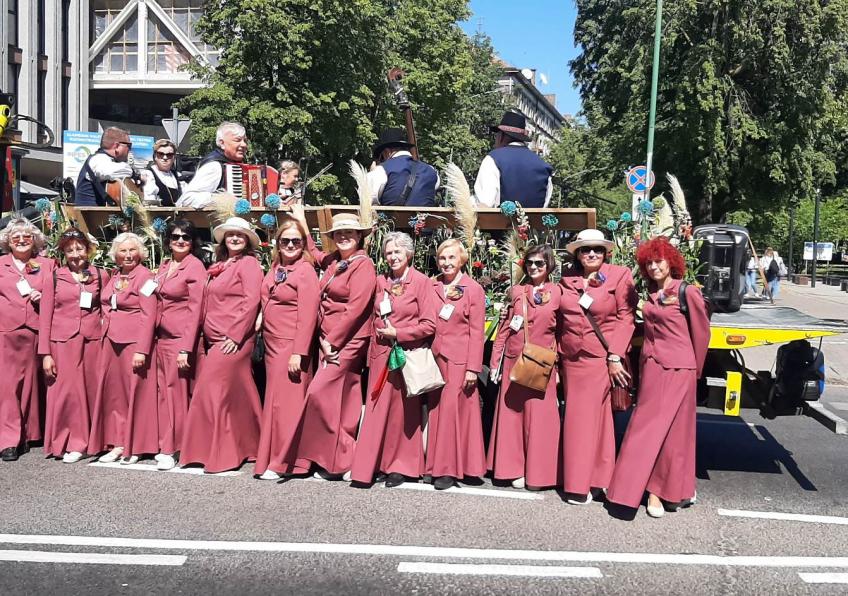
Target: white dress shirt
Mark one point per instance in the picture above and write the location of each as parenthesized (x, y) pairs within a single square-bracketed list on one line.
[(377, 179), (151, 190), (198, 192), (487, 187), (106, 168)]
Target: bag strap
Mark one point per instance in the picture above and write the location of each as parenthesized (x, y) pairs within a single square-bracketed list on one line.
[(595, 327), (410, 182), (524, 309), (682, 301)]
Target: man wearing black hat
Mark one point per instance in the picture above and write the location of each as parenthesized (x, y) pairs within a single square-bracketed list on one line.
[(399, 179), (511, 172)]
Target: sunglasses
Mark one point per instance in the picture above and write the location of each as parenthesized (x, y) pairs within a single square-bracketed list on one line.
[(72, 234), (598, 250), (18, 237), (296, 242), (537, 263), (161, 155), (127, 143), (183, 237)]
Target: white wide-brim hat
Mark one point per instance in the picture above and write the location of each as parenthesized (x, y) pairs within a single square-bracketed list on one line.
[(347, 221), (236, 224), (590, 237)]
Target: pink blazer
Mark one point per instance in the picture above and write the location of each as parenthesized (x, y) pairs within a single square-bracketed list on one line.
[(231, 301), (669, 339), (180, 302), (62, 318), (413, 313), (613, 304), (290, 307), (541, 322), (135, 318), (346, 296), (460, 339), (18, 311)]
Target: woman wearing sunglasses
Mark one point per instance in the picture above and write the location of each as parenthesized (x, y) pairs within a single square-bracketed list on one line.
[(658, 452), (179, 289), (69, 343), (288, 320), (524, 445), (162, 185), (596, 322)]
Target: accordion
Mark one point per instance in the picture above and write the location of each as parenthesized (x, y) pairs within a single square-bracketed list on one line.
[(251, 181)]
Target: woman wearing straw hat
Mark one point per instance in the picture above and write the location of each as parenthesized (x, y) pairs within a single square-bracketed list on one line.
[(596, 325), (334, 398), (222, 427)]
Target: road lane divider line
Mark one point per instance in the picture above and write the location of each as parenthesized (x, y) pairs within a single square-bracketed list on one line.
[(800, 517), (34, 556), (431, 551), (503, 570), (731, 422), (471, 491), (152, 468), (824, 578)]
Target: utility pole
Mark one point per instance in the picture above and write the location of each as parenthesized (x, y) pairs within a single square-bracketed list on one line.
[(652, 115), (791, 234), (815, 238)]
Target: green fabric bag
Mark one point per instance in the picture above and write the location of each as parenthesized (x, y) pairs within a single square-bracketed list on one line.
[(396, 358)]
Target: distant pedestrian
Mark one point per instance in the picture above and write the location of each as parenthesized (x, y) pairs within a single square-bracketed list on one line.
[(752, 270), (772, 264)]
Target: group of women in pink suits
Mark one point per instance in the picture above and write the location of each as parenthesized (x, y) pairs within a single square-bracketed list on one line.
[(140, 364)]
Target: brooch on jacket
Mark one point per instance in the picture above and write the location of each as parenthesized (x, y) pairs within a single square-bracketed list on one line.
[(280, 276), (666, 300), (122, 283), (216, 269), (85, 275), (455, 292), (596, 279), (32, 266), (342, 266), (540, 298), (396, 289)]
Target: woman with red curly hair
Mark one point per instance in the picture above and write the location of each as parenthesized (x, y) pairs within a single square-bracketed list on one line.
[(658, 452)]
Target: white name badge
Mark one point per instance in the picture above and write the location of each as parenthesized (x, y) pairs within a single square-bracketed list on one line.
[(23, 287), (385, 305), (585, 301), (516, 323), (85, 299), (114, 302), (446, 312), (148, 288)]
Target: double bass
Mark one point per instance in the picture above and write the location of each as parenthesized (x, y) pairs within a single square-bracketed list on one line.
[(395, 77)]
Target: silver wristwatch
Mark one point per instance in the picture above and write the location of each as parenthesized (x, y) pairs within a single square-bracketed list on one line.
[(613, 358)]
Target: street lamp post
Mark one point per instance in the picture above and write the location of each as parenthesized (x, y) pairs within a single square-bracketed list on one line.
[(815, 238), (652, 115)]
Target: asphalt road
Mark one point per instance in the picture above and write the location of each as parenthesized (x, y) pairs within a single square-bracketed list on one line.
[(241, 535)]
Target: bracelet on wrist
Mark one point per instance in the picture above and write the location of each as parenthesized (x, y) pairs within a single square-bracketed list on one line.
[(614, 358)]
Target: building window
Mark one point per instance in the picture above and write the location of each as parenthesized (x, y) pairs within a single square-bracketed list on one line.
[(41, 22), (121, 55), (164, 52), (12, 72), (66, 94), (40, 96), (12, 22), (66, 36), (186, 14)]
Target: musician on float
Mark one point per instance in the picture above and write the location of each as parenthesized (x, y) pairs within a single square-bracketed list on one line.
[(163, 186), (289, 177), (107, 164), (399, 179), (231, 141), (512, 172)]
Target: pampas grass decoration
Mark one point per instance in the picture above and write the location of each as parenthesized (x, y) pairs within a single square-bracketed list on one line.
[(363, 191), (678, 200), (513, 248), (465, 214), (223, 206)]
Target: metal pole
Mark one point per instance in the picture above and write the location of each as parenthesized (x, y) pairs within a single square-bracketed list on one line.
[(652, 116), (815, 239), (791, 234), (175, 114)]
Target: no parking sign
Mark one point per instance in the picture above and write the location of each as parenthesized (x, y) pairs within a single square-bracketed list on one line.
[(637, 179)]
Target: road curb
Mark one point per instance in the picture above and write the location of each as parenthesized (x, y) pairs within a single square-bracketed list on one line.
[(834, 423)]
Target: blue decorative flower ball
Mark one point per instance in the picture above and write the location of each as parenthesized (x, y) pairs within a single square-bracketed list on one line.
[(54, 217), (273, 201), (612, 225), (626, 217), (550, 221), (242, 207), (268, 220), (159, 225), (645, 207), (129, 211), (413, 221), (508, 208), (43, 204)]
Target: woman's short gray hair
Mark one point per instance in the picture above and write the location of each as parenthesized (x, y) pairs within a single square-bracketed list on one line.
[(22, 224), (128, 237), (403, 240)]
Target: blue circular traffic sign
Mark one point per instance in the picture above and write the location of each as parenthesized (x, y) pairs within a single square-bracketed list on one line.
[(636, 178)]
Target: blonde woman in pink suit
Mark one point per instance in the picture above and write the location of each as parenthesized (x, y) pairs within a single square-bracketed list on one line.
[(524, 445), (124, 415), (455, 446), (404, 313), (658, 452), (334, 398), (222, 427), (23, 277), (180, 283), (69, 343), (587, 367), (289, 319)]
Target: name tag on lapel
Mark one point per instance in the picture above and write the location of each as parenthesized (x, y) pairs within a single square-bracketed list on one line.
[(148, 288), (516, 323), (23, 287), (114, 302), (85, 299), (446, 312), (585, 301)]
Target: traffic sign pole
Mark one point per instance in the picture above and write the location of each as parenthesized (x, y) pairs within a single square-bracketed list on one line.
[(652, 116)]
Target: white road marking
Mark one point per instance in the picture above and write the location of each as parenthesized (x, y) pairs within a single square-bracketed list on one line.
[(511, 570), (429, 551), (36, 556), (824, 578), (471, 491), (839, 405), (731, 420), (152, 468), (817, 519)]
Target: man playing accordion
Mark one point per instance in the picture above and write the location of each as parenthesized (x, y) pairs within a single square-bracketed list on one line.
[(231, 141)]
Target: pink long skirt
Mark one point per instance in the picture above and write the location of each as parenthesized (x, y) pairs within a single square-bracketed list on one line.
[(658, 452), (173, 394), (332, 412), (390, 440), (455, 429), (21, 400), (588, 433), (525, 433), (285, 400), (222, 427), (71, 397)]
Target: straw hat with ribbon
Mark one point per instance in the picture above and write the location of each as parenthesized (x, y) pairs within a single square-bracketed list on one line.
[(347, 221), (236, 224)]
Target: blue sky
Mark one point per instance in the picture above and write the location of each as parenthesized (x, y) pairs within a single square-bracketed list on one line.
[(533, 34)]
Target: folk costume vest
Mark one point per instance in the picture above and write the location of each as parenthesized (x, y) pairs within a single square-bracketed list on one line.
[(524, 175)]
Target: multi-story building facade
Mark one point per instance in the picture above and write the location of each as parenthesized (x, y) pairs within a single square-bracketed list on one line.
[(543, 119)]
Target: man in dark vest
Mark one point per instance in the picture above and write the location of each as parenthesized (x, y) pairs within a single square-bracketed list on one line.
[(512, 172), (399, 179), (231, 141), (106, 164)]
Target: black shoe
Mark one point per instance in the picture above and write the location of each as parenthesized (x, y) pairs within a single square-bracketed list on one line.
[(394, 479), (9, 454), (443, 482)]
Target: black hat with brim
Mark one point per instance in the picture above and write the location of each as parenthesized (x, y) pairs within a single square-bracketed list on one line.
[(513, 125), (389, 139)]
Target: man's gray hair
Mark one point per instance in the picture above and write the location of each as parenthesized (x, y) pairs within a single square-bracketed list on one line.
[(225, 127), (128, 237), (403, 240)]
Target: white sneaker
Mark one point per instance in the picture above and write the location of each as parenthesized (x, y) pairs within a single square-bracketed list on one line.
[(346, 476), (127, 461), (112, 456), (585, 501), (269, 475), (165, 462), (72, 457), (519, 483)]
